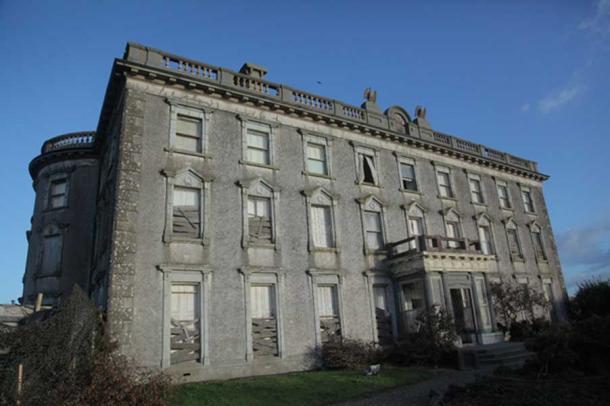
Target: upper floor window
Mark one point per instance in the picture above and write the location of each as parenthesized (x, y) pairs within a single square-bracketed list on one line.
[(536, 233), (373, 224), (485, 234), (316, 158), (58, 193), (259, 219), (258, 146), (443, 178), (321, 215), (258, 140), (367, 166), (514, 244), (260, 203), (452, 228), (503, 195), (407, 174), (188, 133), (476, 190), (186, 212), (187, 130), (187, 193), (52, 247), (415, 223), (528, 202)]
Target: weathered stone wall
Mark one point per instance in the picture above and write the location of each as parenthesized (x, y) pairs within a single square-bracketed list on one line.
[(136, 299)]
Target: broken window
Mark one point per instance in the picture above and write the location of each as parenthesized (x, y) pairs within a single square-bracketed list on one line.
[(264, 320), (186, 213), (367, 170), (58, 193), (259, 219), (407, 176), (328, 313), (185, 338)]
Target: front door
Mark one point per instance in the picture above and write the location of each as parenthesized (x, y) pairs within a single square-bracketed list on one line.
[(461, 301)]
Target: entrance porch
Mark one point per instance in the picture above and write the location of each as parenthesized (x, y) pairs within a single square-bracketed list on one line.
[(452, 273)]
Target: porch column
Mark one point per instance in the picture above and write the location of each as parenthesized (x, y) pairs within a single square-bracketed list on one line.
[(428, 291), (492, 307), (475, 299), (448, 304)]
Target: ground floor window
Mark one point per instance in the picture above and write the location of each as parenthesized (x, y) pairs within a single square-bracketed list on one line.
[(383, 314), (328, 313), (185, 344), (264, 320)]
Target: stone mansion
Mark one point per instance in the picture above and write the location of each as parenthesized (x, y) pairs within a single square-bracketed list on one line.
[(228, 225)]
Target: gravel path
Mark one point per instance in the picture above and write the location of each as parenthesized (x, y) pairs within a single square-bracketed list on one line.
[(418, 394)]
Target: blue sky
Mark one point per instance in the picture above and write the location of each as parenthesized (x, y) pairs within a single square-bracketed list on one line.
[(528, 77)]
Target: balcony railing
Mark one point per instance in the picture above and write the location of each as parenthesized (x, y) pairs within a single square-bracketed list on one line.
[(434, 243), (69, 141)]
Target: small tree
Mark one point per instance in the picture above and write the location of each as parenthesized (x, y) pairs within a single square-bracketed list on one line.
[(512, 301)]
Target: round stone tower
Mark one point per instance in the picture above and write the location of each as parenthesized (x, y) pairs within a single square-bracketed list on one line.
[(65, 177)]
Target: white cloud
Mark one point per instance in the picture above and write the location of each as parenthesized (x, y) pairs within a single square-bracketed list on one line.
[(525, 107), (560, 98), (599, 24)]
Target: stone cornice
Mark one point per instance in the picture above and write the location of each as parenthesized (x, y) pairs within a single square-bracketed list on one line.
[(164, 68)]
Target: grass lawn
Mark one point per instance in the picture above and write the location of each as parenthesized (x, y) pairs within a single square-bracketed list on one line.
[(302, 388)]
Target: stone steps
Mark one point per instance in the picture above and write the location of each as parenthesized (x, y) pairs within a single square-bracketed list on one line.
[(509, 354)]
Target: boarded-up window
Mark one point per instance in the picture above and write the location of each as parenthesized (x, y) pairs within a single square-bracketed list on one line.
[(513, 242), (186, 219), (373, 229), (258, 146), (51, 254), (328, 312), (444, 184), (407, 176), (264, 321), (316, 158), (58, 193), (259, 219), (185, 318), (322, 226), (188, 133)]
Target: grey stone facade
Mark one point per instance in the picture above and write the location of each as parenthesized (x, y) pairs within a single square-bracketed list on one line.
[(375, 276)]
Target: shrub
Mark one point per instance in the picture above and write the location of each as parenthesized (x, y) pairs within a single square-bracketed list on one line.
[(349, 354), (432, 345), (526, 330), (512, 302), (592, 298), (68, 359)]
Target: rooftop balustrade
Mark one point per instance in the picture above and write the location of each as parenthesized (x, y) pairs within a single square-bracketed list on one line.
[(69, 141), (316, 104)]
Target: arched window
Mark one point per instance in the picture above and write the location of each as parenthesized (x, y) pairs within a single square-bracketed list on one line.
[(514, 242), (453, 228), (416, 224), (484, 229), (537, 241), (260, 205), (371, 210)]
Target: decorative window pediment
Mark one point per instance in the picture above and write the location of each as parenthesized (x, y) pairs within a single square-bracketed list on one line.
[(370, 202), (483, 219), (451, 214), (414, 209)]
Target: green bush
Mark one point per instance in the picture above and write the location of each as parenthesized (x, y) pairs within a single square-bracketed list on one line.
[(434, 344), (349, 354), (592, 298), (68, 359), (528, 329)]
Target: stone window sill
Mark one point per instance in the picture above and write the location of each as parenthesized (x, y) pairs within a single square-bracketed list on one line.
[(258, 165), (479, 204), (368, 184), (52, 209), (318, 175), (453, 199), (187, 152), (409, 191), (185, 240), (316, 250)]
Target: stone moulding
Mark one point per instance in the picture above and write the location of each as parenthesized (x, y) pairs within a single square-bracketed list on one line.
[(153, 64)]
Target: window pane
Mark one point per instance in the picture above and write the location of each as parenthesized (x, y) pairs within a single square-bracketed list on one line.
[(184, 302), (188, 126), (51, 255), (322, 226), (58, 201), (316, 151), (186, 196), (485, 240), (407, 173), (58, 188), (258, 139), (374, 240), (327, 301), (259, 206), (373, 221), (262, 301), (380, 297), (444, 185), (369, 173), (188, 143), (258, 155), (314, 166)]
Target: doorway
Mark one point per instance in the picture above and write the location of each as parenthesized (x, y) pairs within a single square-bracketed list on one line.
[(461, 302)]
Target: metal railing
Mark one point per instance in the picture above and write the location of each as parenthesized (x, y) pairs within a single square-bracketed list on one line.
[(68, 141), (434, 243)]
